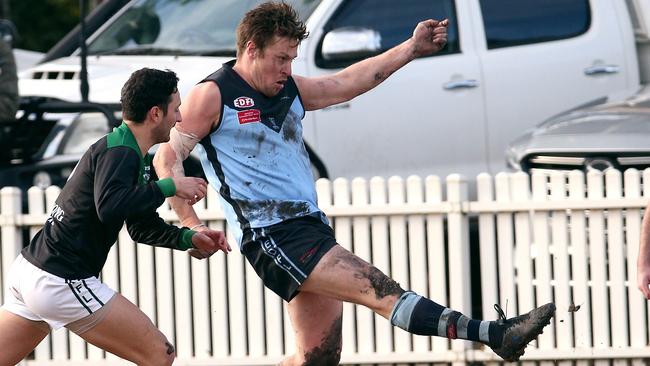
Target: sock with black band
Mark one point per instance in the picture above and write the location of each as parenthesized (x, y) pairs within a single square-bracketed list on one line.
[(419, 315)]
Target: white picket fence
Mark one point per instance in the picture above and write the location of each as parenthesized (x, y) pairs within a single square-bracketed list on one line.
[(568, 238)]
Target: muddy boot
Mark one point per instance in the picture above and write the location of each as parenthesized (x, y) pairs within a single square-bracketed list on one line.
[(518, 331)]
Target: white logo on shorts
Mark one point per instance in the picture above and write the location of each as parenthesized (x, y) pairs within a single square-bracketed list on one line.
[(79, 287), (272, 250)]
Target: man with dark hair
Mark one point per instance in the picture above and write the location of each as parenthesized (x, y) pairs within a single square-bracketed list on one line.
[(247, 117), (54, 281)]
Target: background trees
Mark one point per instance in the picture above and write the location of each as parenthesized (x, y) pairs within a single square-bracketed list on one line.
[(41, 23)]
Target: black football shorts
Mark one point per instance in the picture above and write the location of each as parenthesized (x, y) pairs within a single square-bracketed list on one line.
[(284, 254)]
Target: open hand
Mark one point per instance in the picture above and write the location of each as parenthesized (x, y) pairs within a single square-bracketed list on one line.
[(429, 36)]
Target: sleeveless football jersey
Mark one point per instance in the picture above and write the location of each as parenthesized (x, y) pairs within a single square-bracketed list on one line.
[(256, 158)]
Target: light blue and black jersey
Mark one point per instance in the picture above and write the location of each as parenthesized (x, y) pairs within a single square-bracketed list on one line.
[(256, 158)]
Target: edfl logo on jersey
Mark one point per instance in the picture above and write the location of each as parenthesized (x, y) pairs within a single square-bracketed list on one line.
[(243, 102)]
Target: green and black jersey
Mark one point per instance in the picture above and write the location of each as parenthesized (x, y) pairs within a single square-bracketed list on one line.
[(111, 184)]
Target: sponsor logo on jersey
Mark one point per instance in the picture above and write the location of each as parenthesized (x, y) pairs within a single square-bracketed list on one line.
[(57, 214), (243, 102), (147, 173), (249, 116)]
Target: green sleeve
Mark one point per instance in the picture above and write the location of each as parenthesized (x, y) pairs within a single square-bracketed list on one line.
[(167, 187), (186, 239)]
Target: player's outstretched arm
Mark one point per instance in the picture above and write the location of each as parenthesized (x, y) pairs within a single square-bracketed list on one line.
[(428, 37)]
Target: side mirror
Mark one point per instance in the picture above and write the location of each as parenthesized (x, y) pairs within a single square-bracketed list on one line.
[(350, 43)]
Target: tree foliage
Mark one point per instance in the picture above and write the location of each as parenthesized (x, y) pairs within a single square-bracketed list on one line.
[(42, 23)]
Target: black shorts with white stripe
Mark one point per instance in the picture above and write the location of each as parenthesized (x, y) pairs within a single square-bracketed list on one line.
[(284, 254)]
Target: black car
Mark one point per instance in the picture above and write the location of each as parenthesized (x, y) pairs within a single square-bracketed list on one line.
[(42, 147)]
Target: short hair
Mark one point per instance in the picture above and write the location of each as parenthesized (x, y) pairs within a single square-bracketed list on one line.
[(267, 20), (147, 88)]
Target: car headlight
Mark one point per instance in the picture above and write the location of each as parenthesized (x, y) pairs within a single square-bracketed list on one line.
[(65, 172), (511, 160), (85, 130), (42, 180)]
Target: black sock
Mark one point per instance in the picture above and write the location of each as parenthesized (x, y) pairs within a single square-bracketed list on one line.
[(419, 315)]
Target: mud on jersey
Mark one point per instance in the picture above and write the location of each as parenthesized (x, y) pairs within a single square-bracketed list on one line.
[(256, 157)]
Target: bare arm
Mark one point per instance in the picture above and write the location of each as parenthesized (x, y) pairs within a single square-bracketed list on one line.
[(643, 261), (200, 112), (428, 37)]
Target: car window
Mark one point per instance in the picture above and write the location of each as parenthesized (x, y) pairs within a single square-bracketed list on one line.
[(519, 22), (394, 21), (192, 27)]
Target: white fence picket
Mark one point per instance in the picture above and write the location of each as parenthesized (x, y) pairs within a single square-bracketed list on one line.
[(236, 305), (561, 262), (289, 332), (458, 236), (381, 259), (182, 300), (601, 322), (487, 249), (579, 264), (523, 257), (274, 323), (523, 237), (399, 253), (362, 248), (201, 309), (636, 303), (218, 279), (125, 269), (254, 313), (11, 244), (219, 300), (146, 285), (505, 242), (436, 254), (541, 238), (416, 247), (616, 262), (164, 293)]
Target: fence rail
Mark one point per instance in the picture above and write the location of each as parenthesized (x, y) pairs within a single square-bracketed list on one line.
[(567, 238)]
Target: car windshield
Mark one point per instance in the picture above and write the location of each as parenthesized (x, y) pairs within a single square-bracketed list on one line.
[(180, 27)]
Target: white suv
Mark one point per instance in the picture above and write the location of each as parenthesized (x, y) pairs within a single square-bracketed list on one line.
[(508, 65)]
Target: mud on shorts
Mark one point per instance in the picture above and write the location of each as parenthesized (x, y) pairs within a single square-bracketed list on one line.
[(284, 254), (40, 296)]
